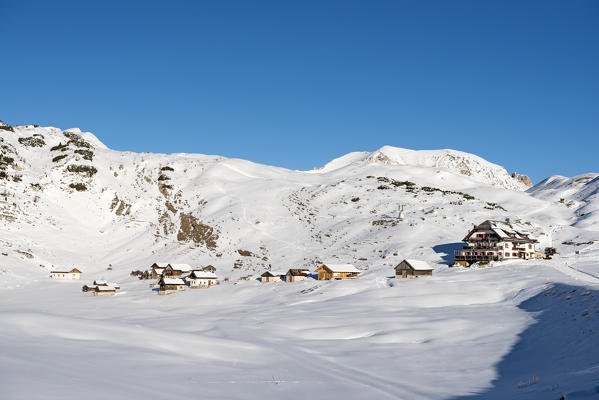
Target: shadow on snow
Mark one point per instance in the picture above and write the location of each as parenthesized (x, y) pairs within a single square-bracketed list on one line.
[(558, 355), (447, 250)]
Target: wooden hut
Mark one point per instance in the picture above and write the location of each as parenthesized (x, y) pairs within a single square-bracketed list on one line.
[(201, 279), (170, 285), (66, 275), (105, 290), (296, 275), (413, 269), (209, 268), (327, 272), (271, 276), (157, 269)]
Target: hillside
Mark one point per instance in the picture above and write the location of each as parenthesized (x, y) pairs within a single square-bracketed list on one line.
[(67, 200)]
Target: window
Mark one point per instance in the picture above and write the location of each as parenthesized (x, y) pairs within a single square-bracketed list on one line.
[(530, 246), (515, 254), (507, 245)]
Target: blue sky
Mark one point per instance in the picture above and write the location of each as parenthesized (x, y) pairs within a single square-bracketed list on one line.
[(296, 84)]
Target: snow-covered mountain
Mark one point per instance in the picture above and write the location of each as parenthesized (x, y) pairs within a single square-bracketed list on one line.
[(67, 200), (454, 161)]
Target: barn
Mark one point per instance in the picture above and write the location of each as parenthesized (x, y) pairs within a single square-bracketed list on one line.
[(327, 272), (296, 275), (66, 275), (410, 268), (272, 276)]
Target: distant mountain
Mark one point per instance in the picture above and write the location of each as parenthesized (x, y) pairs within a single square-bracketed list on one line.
[(579, 193), (67, 199), (454, 161)]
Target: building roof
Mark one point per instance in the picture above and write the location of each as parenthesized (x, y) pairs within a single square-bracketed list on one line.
[(298, 272), (173, 281), (107, 288), (418, 265), (73, 271), (198, 274), (342, 268), (161, 265), (273, 273), (504, 229), (181, 267), (101, 283)]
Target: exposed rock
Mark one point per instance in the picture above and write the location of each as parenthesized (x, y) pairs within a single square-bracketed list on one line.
[(522, 178), (192, 229)]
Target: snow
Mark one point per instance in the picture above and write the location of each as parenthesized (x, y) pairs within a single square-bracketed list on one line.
[(482, 331), (342, 267), (419, 265)]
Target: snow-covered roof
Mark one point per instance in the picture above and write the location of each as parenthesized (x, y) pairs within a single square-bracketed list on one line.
[(107, 288), (182, 267), (173, 281), (161, 265), (274, 273), (298, 271), (202, 274), (342, 268), (501, 233), (103, 283), (73, 271), (418, 265)]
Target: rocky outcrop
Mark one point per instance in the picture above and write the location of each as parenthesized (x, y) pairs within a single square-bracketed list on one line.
[(522, 178)]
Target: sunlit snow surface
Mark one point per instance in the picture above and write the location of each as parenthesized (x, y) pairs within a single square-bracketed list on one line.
[(524, 329)]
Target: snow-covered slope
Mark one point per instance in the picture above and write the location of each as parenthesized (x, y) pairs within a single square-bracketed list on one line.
[(579, 193), (67, 200)]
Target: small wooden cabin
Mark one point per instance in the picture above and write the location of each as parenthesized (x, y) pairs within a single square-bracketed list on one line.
[(271, 276), (201, 279), (413, 269), (172, 272), (66, 275), (327, 272), (245, 278), (170, 285), (296, 275), (157, 270), (209, 268), (105, 290)]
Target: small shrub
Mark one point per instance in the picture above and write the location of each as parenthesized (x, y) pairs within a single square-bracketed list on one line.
[(80, 187), (58, 158), (32, 142), (167, 168), (59, 146), (5, 161), (85, 169), (77, 140), (86, 154)]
